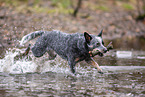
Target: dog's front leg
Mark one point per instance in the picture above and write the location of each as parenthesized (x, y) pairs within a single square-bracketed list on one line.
[(72, 66), (92, 62)]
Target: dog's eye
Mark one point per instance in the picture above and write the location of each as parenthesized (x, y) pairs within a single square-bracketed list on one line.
[(97, 44)]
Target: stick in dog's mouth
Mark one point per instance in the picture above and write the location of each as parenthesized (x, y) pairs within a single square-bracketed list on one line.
[(98, 52)]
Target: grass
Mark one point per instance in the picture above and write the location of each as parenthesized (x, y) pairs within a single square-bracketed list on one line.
[(127, 6), (63, 6), (102, 7), (61, 3), (59, 6)]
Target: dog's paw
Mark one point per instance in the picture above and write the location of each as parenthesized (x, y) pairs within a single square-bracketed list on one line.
[(100, 71)]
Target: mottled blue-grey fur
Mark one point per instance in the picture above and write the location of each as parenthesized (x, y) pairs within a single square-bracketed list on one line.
[(31, 36), (71, 47), (63, 44)]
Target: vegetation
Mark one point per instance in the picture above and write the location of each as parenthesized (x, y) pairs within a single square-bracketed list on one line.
[(56, 6), (64, 6), (72, 6), (127, 6)]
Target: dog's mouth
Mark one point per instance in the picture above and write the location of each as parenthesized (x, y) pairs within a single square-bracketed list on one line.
[(96, 52), (100, 54)]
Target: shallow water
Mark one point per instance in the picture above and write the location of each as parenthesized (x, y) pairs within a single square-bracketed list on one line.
[(123, 77)]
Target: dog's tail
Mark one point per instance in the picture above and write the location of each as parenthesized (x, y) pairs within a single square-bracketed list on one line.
[(31, 36)]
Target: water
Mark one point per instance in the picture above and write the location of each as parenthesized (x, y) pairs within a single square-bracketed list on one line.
[(40, 77)]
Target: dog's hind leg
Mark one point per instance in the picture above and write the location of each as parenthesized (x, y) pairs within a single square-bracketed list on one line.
[(40, 47), (22, 55), (38, 51), (51, 54)]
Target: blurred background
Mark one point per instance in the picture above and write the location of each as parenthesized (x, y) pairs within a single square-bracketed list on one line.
[(123, 21)]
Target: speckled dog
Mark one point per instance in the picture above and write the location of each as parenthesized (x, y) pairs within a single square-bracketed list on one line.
[(71, 47)]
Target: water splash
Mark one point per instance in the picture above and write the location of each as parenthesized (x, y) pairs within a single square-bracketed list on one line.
[(58, 65), (32, 64), (9, 65)]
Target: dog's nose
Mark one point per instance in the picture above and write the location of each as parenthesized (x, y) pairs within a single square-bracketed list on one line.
[(105, 50)]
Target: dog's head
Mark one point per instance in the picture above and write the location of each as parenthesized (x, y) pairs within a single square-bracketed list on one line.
[(95, 43)]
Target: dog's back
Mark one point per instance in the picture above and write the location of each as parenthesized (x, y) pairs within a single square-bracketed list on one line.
[(63, 44)]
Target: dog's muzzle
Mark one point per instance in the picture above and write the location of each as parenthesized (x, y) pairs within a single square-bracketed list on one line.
[(96, 52), (99, 52)]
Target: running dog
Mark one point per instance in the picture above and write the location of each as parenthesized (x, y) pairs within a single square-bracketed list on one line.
[(71, 47)]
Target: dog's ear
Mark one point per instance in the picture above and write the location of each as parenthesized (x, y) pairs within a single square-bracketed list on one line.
[(100, 34), (88, 37)]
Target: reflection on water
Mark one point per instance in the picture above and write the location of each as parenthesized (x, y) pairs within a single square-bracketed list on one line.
[(58, 84), (123, 77)]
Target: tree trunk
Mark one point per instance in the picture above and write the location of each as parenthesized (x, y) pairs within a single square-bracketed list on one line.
[(77, 8)]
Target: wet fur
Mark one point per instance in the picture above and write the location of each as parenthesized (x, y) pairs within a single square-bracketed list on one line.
[(71, 47)]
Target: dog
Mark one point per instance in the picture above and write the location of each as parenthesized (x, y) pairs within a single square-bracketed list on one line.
[(74, 47)]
